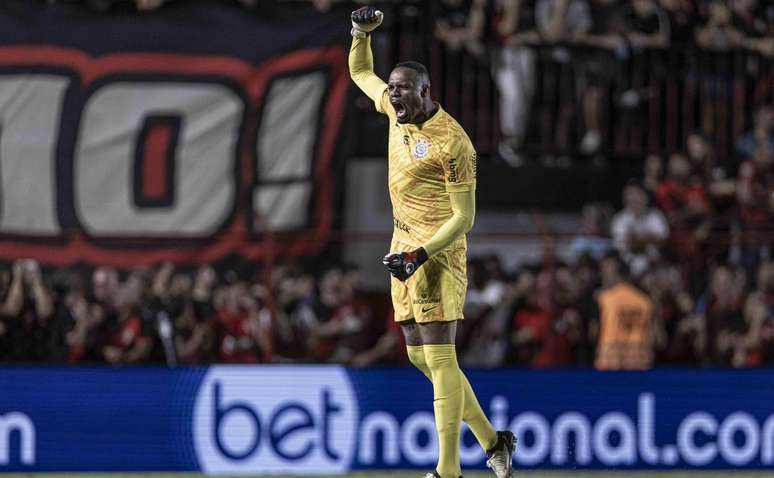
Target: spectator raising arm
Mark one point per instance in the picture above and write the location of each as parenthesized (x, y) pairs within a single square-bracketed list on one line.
[(44, 306), (12, 305), (161, 279), (139, 352)]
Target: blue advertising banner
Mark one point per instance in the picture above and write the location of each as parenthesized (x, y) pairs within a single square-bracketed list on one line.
[(327, 419)]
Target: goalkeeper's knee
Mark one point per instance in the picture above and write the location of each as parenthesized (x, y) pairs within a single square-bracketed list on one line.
[(416, 355)]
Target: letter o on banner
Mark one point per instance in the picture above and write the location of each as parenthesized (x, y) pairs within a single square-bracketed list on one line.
[(415, 424), (538, 450), (205, 159), (744, 423)]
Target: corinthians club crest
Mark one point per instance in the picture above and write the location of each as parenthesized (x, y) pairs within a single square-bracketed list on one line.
[(421, 148)]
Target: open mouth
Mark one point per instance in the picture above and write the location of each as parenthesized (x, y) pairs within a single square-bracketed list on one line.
[(400, 111)]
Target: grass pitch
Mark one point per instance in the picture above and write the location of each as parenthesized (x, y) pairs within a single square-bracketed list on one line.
[(419, 474)]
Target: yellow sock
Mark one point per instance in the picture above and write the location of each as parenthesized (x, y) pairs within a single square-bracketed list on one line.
[(472, 414), (476, 419), (448, 403)]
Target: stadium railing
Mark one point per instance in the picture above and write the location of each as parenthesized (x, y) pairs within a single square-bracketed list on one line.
[(677, 90)]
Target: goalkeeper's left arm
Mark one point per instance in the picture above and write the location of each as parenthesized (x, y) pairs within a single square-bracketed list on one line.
[(463, 204), (361, 60)]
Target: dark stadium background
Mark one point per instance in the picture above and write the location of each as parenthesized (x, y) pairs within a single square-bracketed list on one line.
[(185, 184)]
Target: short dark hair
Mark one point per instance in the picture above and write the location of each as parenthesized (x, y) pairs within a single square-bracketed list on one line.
[(416, 66)]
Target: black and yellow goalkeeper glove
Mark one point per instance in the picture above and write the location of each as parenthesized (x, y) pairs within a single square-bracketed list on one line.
[(403, 264), (365, 20)]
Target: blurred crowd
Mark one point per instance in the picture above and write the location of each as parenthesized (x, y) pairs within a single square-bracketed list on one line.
[(137, 5), (616, 50), (681, 275), (552, 313), (164, 315), (108, 6), (599, 61)]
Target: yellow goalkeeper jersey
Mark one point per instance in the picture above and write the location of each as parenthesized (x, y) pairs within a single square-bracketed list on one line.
[(427, 161)]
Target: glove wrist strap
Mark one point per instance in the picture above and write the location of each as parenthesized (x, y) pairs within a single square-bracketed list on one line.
[(358, 33), (421, 255)]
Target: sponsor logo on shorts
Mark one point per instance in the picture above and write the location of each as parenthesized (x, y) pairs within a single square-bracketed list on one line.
[(425, 300), (428, 309)]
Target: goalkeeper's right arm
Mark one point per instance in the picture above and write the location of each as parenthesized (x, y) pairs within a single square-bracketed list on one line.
[(361, 60)]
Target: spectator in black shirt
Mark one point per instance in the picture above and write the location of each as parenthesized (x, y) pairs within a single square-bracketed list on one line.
[(682, 18), (12, 291), (514, 70), (718, 31), (599, 70), (25, 331), (646, 32), (647, 25), (194, 332), (754, 29), (562, 23), (460, 24)]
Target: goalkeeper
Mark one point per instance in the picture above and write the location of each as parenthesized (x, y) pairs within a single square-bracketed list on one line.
[(432, 183)]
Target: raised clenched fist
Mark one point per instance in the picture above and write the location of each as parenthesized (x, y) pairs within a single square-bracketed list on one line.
[(365, 20)]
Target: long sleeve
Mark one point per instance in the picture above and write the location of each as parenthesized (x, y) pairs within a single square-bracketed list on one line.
[(361, 69), (463, 206)]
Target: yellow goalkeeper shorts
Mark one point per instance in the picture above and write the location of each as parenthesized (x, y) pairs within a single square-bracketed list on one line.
[(436, 291)]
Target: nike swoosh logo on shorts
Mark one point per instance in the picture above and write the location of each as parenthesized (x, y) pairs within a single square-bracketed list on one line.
[(426, 310)]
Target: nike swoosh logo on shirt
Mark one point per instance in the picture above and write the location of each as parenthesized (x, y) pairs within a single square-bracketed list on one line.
[(428, 309)]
